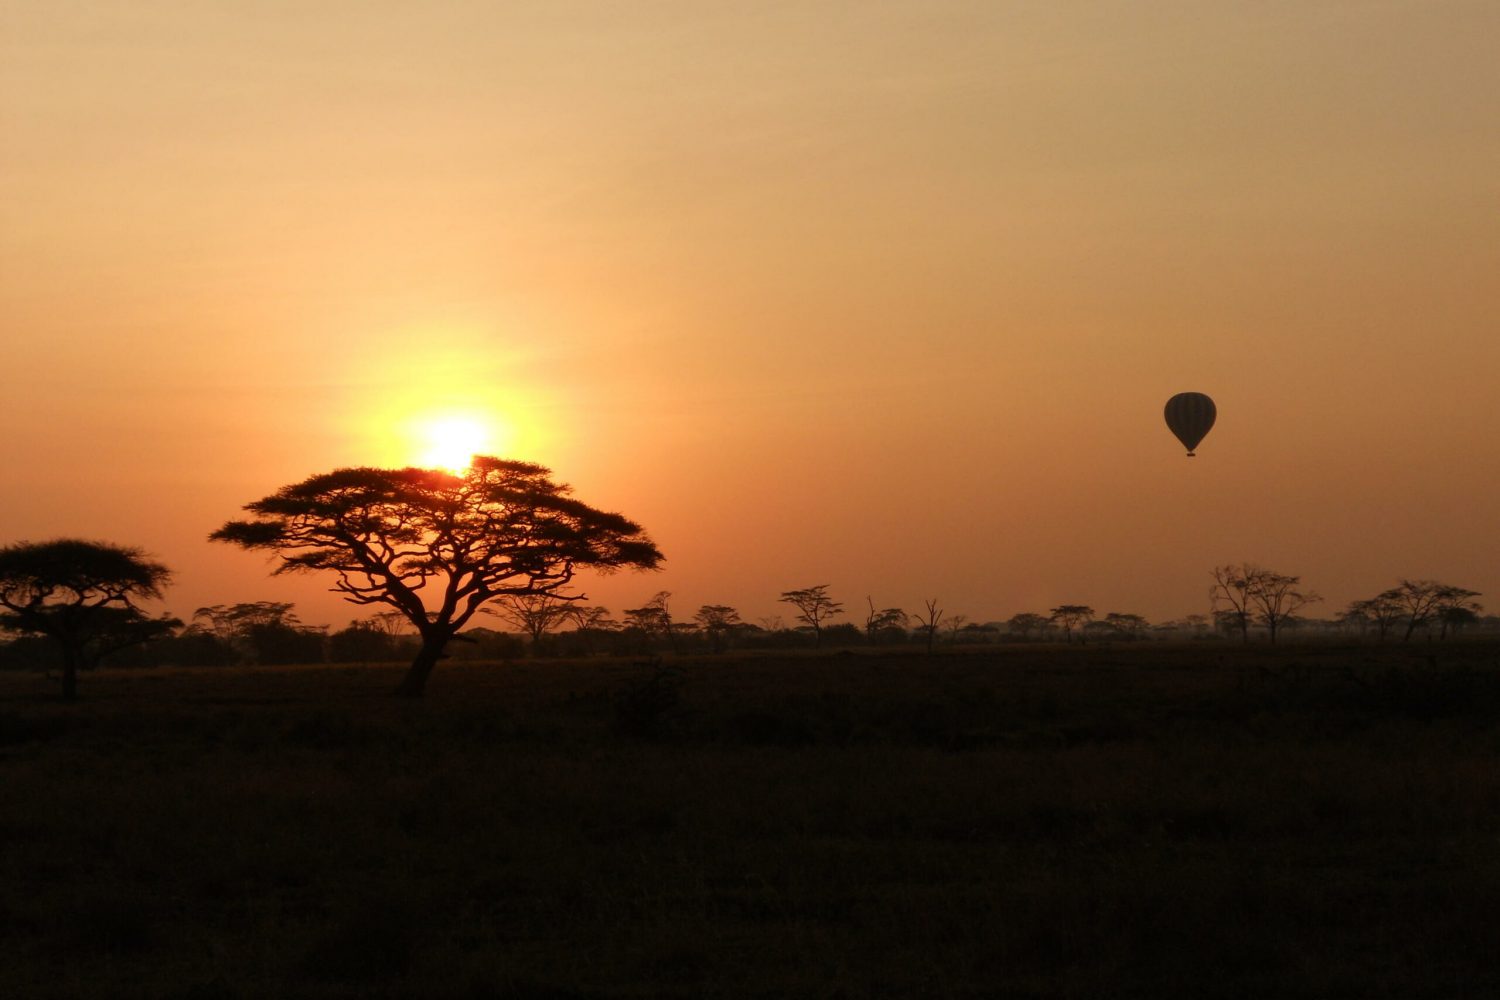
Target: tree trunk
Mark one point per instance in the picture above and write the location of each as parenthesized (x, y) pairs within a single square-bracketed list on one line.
[(415, 681)]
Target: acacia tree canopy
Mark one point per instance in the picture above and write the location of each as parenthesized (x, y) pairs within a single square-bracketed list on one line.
[(436, 546), (82, 595), (814, 607), (1070, 616)]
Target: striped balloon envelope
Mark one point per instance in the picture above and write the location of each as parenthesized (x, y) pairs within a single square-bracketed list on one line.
[(1190, 415)]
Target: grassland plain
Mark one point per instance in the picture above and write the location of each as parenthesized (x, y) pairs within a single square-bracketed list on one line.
[(1032, 821)]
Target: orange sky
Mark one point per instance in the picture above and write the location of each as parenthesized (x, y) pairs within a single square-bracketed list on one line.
[(887, 296)]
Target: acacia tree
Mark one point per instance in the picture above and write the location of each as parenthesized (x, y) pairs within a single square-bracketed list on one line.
[(82, 595), (1126, 626), (1424, 601), (258, 632), (1026, 622), (1276, 598), (814, 607), (655, 618), (718, 621), (532, 614), (1245, 593), (436, 546), (1230, 597), (929, 622), (1383, 611), (1070, 616), (884, 620), (589, 621)]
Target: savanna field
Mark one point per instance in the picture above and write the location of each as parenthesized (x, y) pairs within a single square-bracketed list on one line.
[(1142, 820)]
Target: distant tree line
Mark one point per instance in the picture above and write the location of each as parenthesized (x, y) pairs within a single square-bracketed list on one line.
[(426, 551)]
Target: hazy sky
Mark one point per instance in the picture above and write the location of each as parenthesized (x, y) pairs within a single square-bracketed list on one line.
[(885, 295)]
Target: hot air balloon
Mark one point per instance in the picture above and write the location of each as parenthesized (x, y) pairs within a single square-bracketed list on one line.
[(1190, 415)]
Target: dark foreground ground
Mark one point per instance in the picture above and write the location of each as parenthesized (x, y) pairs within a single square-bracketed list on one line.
[(1316, 822)]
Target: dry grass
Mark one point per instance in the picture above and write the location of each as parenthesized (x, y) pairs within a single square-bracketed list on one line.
[(1032, 822)]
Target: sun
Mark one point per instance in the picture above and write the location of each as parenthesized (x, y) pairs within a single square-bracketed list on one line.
[(451, 442)]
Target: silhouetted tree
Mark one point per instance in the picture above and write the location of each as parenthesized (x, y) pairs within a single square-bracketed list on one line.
[(883, 621), (655, 618), (1275, 599), (1070, 616), (1456, 608), (591, 624), (1026, 623), (285, 644), (1424, 601), (928, 623), (1230, 598), (501, 527), (718, 622), (1457, 619), (81, 595), (392, 623), (259, 632), (533, 615), (1248, 593), (595, 617), (977, 632), (814, 607), (1198, 624), (362, 642), (1126, 626), (1383, 611), (231, 621)]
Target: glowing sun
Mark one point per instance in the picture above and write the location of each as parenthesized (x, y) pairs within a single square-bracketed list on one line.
[(451, 442)]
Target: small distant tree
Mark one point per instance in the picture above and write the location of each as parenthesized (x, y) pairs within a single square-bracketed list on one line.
[(258, 632), (435, 546), (1230, 599), (1425, 601), (533, 615), (1026, 623), (1384, 611), (814, 607), (229, 622), (592, 617), (362, 642), (954, 624), (1127, 626), (1248, 593), (1228, 622), (977, 632), (655, 618), (81, 595), (927, 623), (883, 621), (590, 622), (1457, 619), (718, 622), (1197, 624), (1071, 616), (1456, 608), (392, 623), (1275, 599)]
